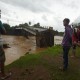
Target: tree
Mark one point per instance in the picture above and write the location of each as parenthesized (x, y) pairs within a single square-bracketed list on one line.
[(29, 23), (26, 24), (37, 25), (6, 26)]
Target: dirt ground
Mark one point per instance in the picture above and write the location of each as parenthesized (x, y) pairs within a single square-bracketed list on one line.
[(40, 72)]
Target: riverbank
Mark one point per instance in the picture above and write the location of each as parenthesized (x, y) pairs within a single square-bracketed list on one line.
[(45, 66)]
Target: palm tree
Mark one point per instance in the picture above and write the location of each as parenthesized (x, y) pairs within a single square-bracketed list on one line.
[(29, 23)]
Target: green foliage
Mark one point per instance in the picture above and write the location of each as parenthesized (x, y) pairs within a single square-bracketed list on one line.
[(6, 26), (37, 25), (29, 23)]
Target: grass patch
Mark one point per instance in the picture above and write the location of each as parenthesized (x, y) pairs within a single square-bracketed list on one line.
[(47, 63)]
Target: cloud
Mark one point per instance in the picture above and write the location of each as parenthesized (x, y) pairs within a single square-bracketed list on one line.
[(44, 17), (33, 5), (4, 9), (47, 12)]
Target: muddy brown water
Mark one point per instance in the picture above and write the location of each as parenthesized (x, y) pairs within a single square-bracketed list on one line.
[(19, 46)]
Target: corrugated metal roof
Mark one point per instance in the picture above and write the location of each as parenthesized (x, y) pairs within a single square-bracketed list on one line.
[(40, 29)]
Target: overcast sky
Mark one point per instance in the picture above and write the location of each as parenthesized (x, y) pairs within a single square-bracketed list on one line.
[(47, 12)]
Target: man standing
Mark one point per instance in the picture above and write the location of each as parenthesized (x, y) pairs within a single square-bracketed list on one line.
[(2, 53), (67, 42)]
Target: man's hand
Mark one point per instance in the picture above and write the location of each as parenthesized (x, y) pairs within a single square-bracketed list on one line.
[(74, 42)]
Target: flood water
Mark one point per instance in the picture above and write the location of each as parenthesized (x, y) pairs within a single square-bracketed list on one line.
[(58, 40), (19, 46)]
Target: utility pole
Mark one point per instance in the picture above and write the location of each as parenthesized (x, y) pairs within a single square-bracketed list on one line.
[(8, 21), (0, 14)]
